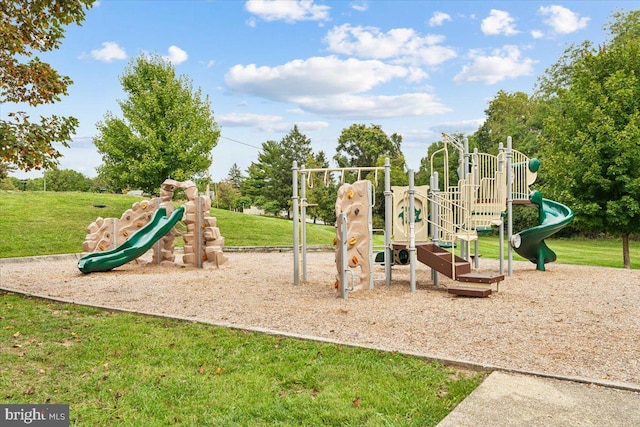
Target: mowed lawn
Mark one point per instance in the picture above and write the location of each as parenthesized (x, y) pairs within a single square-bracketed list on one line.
[(38, 223), (115, 368)]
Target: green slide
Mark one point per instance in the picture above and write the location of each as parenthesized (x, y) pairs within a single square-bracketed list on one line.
[(139, 243), (552, 217)]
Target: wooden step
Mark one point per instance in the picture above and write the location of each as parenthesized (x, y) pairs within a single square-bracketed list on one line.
[(475, 277), (442, 260), (470, 292)]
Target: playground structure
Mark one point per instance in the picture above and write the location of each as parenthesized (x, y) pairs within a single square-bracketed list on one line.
[(150, 224), (426, 224)]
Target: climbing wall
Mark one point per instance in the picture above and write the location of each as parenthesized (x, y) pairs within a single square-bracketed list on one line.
[(107, 233), (202, 240), (354, 200)]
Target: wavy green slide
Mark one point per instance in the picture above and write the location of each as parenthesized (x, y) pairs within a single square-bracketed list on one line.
[(530, 243), (139, 243)]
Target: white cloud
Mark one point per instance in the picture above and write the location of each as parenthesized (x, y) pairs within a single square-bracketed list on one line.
[(211, 63), (176, 55), (403, 45), (464, 126), (262, 122), (288, 11), (438, 18), (311, 126), (563, 20), (375, 106), (266, 122), (317, 76), (498, 22), (109, 52), (537, 34), (505, 63), (360, 6), (334, 88)]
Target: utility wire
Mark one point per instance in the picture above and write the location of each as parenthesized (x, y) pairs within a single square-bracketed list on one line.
[(240, 142)]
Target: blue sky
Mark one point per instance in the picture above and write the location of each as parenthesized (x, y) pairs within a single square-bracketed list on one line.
[(417, 68)]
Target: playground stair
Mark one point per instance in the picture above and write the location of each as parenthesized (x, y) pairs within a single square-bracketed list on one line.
[(455, 267)]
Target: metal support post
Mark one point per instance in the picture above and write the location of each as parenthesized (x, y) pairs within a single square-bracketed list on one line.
[(509, 205), (502, 246), (434, 215), (303, 222), (343, 264), (412, 232), (388, 255), (296, 249)]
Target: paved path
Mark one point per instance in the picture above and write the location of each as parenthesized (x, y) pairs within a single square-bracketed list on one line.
[(519, 400)]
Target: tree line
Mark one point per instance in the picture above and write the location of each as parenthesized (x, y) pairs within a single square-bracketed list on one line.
[(582, 120)]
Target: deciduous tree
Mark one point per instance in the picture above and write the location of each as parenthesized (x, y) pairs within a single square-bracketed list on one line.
[(167, 131), (592, 131), (27, 28), (517, 115)]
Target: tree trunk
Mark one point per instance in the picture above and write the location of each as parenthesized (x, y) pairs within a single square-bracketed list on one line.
[(625, 250)]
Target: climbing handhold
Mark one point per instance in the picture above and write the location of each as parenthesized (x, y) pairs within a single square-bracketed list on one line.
[(352, 241), (335, 241), (355, 260), (139, 224), (356, 211), (144, 206), (101, 247), (125, 233), (336, 284), (350, 194)]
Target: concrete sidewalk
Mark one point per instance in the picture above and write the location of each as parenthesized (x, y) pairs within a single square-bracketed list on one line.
[(505, 399)]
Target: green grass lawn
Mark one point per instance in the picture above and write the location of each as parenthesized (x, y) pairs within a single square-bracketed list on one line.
[(129, 369), (579, 251), (38, 223)]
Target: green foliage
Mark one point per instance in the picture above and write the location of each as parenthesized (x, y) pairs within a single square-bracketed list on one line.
[(167, 130), (361, 146), (9, 184), (592, 131), (226, 196), (367, 146), (5, 169), (30, 27), (321, 192), (67, 180), (271, 207), (435, 160), (243, 202), (510, 114), (235, 176), (129, 369), (271, 175)]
